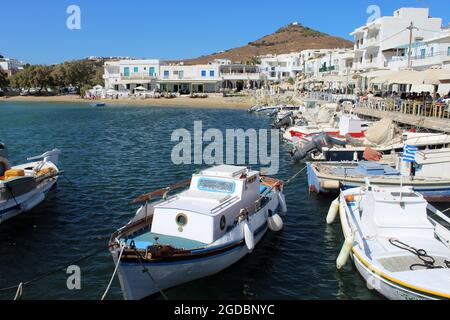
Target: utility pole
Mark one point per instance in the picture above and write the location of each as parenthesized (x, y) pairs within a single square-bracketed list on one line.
[(410, 28)]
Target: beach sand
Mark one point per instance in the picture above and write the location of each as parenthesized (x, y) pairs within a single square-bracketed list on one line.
[(214, 102)]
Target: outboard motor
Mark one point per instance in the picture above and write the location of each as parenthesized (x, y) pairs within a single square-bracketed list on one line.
[(318, 142), (287, 121)]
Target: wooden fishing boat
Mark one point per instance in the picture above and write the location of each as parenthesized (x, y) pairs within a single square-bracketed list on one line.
[(24, 186), (198, 232), (398, 242), (430, 174)]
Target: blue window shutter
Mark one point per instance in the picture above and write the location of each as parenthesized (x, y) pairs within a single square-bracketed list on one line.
[(203, 73)]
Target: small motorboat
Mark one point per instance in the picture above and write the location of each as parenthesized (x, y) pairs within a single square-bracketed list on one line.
[(196, 233), (98, 104), (429, 174), (24, 186), (398, 242)]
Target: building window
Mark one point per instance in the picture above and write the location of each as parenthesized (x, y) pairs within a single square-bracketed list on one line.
[(166, 73), (203, 73), (448, 51), (126, 71), (432, 51), (423, 53), (152, 71), (181, 74), (136, 69), (211, 73)]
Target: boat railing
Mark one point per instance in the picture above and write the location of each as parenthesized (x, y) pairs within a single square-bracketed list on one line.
[(442, 227), (224, 204)]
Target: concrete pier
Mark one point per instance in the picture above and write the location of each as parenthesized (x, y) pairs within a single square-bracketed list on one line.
[(431, 123)]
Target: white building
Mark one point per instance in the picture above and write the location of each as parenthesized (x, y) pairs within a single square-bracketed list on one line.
[(188, 79), (434, 52), (10, 66), (130, 74), (377, 42), (281, 67), (239, 77)]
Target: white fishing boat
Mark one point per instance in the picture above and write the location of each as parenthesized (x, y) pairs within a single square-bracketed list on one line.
[(398, 242), (24, 186), (429, 174), (218, 220)]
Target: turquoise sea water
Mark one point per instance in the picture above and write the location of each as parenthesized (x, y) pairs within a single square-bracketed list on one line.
[(113, 154)]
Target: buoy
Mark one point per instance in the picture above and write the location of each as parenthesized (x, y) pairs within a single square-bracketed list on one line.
[(275, 222), (345, 252), (282, 201), (332, 213), (249, 237), (330, 185)]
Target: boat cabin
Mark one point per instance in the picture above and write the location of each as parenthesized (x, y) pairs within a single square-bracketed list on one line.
[(433, 163), (395, 212), (210, 206)]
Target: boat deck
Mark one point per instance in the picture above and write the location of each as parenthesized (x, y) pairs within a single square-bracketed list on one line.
[(148, 239)]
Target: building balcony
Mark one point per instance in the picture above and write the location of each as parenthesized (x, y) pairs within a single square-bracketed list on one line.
[(241, 76), (329, 69), (138, 76)]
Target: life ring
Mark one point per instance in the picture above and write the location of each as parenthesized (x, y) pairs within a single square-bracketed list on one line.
[(4, 165)]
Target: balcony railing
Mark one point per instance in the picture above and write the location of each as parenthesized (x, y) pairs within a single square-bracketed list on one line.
[(137, 76), (328, 69)]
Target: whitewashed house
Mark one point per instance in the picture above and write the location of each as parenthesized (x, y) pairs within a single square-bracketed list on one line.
[(378, 41), (186, 79), (280, 67), (10, 66), (126, 75)]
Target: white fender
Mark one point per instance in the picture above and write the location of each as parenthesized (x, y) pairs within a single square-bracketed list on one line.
[(333, 211), (33, 202), (249, 237), (275, 223), (345, 252), (282, 202)]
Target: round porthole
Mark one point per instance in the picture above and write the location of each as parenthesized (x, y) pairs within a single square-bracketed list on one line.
[(223, 222), (181, 220)]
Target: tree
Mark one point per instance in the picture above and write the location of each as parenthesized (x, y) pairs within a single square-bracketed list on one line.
[(291, 81), (4, 82), (37, 76)]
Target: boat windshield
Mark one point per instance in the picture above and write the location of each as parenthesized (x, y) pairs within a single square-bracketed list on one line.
[(215, 185)]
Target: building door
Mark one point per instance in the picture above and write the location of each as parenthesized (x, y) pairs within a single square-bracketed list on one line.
[(126, 71)]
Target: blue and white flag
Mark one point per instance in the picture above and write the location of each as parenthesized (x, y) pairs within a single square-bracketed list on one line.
[(409, 153)]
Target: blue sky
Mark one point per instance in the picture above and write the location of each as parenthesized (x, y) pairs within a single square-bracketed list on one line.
[(36, 32)]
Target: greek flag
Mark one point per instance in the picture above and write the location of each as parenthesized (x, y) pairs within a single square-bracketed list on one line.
[(409, 153)]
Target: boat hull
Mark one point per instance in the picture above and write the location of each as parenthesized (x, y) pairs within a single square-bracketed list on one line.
[(168, 273), (12, 208), (137, 284), (386, 288), (327, 184)]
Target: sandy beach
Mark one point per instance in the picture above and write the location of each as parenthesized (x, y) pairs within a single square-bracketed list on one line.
[(210, 102)]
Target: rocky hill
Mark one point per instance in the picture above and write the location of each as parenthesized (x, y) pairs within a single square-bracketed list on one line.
[(291, 38)]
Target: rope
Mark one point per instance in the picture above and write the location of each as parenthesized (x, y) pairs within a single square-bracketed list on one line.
[(295, 175), (122, 247), (145, 270), (19, 292), (54, 271), (428, 261)]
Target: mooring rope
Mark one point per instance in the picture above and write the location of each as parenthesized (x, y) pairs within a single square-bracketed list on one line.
[(53, 271), (145, 270), (295, 176), (122, 247)]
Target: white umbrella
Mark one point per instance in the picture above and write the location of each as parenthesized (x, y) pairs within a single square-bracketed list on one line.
[(140, 88), (435, 76)]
